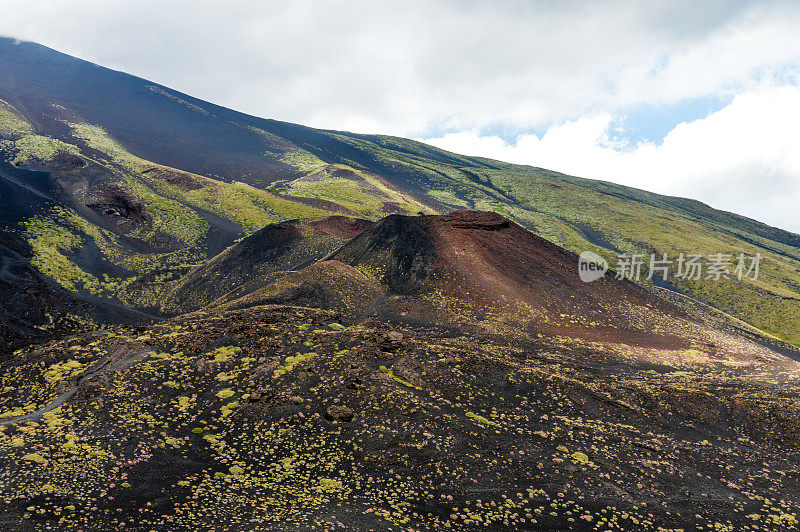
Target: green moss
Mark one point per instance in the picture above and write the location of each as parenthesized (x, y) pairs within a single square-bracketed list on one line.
[(33, 457), (224, 354), (302, 160), (169, 216), (63, 370), (479, 418), (99, 139), (580, 457), (329, 485), (288, 153), (390, 372), (55, 237), (291, 362)]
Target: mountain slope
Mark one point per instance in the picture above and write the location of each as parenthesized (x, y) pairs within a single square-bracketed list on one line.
[(479, 271), (129, 185), (257, 259), (482, 265), (328, 284), (288, 417)]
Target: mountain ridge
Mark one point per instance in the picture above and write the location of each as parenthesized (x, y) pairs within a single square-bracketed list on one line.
[(153, 183), (214, 321)]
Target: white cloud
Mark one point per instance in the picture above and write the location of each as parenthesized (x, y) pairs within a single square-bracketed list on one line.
[(407, 68), (743, 158)]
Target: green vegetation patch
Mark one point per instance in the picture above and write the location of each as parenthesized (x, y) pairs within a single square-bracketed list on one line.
[(390, 372), (292, 361), (50, 241), (167, 191), (12, 125), (64, 370), (31, 148), (357, 190), (480, 419)]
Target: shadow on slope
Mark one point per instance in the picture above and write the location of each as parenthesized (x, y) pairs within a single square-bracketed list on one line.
[(259, 258), (327, 284)]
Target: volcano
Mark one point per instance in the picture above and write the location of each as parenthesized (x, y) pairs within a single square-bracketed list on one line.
[(484, 266), (216, 321)]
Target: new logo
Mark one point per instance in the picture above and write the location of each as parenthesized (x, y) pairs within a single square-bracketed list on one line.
[(591, 266)]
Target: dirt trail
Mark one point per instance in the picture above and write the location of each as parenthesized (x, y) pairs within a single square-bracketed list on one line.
[(121, 358)]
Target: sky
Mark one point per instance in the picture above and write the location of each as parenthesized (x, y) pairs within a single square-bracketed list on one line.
[(693, 99)]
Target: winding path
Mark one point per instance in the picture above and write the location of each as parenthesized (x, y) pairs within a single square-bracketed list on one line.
[(123, 357)]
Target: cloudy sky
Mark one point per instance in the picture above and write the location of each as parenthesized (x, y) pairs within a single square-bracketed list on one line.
[(697, 99)]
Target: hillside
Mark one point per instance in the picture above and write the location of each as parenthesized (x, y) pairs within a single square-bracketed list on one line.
[(121, 187), (261, 257), (389, 387), (481, 267)]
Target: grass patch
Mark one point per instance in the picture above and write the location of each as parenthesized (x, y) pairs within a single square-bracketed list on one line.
[(291, 362), (12, 124), (33, 148), (390, 372), (480, 419)]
